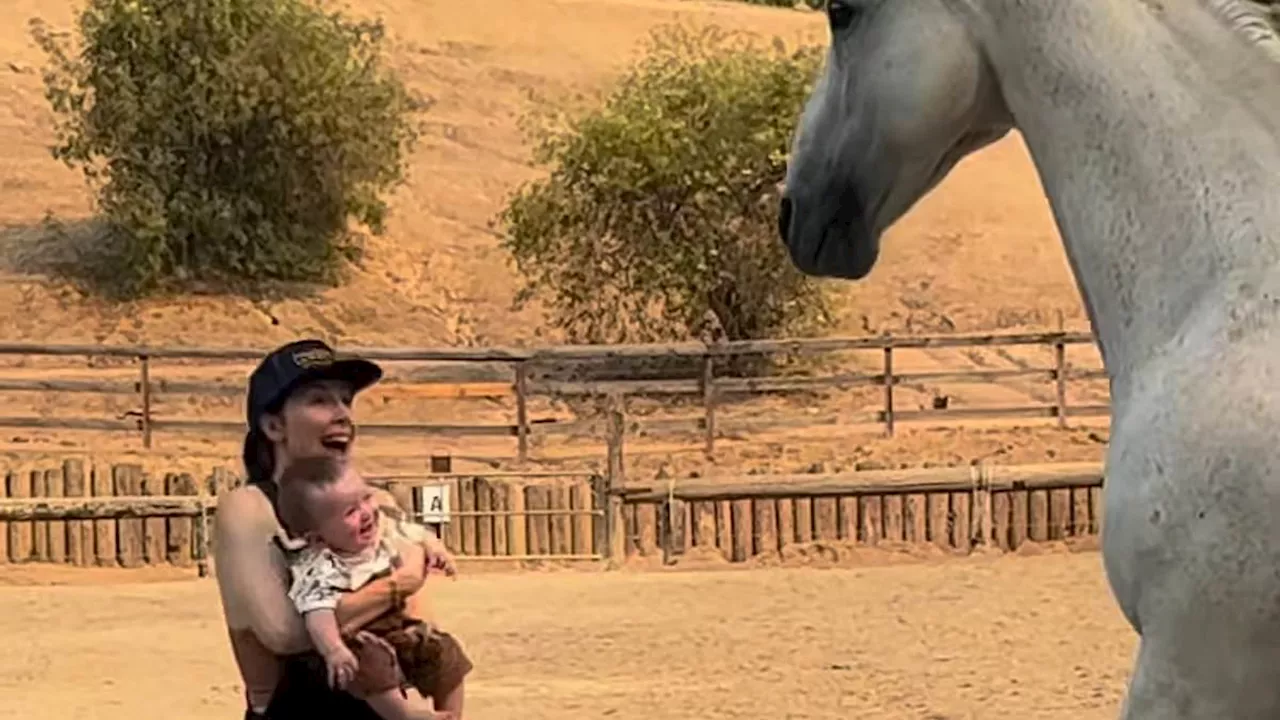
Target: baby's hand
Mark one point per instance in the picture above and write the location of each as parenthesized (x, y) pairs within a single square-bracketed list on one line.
[(342, 666)]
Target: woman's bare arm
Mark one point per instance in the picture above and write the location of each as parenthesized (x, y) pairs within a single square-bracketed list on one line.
[(359, 608), (252, 579)]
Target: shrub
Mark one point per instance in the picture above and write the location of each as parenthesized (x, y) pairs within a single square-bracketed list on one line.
[(228, 140), (661, 204)]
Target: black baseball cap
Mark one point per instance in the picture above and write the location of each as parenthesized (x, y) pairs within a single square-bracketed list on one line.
[(290, 366)]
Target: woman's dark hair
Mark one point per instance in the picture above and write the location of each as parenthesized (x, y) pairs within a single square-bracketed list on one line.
[(259, 457)]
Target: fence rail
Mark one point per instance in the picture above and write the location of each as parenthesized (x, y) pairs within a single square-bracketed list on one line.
[(713, 390), (583, 352), (120, 516)]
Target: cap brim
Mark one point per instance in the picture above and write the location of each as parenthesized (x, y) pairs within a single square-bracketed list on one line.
[(357, 373)]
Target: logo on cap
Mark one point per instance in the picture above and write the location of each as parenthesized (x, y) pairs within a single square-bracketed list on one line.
[(313, 357)]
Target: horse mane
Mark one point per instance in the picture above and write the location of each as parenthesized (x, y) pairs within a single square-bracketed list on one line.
[(1251, 21)]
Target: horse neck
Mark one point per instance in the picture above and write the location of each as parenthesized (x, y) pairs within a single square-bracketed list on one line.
[(1160, 175)]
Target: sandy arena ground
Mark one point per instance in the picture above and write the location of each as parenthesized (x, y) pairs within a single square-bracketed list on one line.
[(982, 637)]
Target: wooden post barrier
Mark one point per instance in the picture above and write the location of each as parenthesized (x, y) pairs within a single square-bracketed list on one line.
[(117, 515), (514, 516), (522, 412), (80, 514), (888, 391), (956, 509), (615, 527), (709, 403), (120, 507), (1060, 372), (79, 532), (144, 388), (1060, 381)]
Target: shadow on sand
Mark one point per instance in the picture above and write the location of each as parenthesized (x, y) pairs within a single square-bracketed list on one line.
[(74, 251), (84, 254)]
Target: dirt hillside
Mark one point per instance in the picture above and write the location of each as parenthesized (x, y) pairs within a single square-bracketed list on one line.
[(981, 252)]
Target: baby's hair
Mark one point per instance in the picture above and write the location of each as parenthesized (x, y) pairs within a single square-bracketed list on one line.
[(298, 484)]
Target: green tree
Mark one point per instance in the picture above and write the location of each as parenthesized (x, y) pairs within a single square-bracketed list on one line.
[(228, 141), (661, 204)]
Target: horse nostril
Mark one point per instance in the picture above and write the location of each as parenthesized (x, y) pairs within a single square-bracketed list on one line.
[(784, 219)]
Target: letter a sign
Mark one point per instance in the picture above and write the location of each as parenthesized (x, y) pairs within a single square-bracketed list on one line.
[(434, 501)]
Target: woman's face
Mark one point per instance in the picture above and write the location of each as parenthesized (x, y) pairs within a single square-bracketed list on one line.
[(315, 420)]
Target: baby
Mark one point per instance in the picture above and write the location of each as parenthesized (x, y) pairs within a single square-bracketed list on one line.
[(340, 542)]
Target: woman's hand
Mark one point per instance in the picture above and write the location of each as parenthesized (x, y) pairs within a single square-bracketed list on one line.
[(378, 666), (412, 572)]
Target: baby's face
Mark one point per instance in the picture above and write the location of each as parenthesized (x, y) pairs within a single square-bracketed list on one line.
[(346, 517)]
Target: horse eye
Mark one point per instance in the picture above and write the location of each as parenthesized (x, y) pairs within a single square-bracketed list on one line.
[(841, 14)]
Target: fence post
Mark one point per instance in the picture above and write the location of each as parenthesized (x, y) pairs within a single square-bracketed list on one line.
[(666, 526), (616, 477), (204, 542), (600, 521), (406, 498), (144, 387), (1060, 378), (522, 411), (981, 505), (709, 400), (888, 388)]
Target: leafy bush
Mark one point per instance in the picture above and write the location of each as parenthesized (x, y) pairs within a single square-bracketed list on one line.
[(661, 204), (228, 140)]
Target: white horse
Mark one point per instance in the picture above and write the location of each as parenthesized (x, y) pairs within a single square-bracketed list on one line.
[(1154, 126)]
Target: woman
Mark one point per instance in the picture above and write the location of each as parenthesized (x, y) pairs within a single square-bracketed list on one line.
[(299, 405)]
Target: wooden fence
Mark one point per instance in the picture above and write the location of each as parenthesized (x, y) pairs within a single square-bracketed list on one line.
[(105, 516), (711, 389), (955, 509), (120, 516)]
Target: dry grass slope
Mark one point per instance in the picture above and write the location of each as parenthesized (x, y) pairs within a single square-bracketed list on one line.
[(979, 253), (960, 261)]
